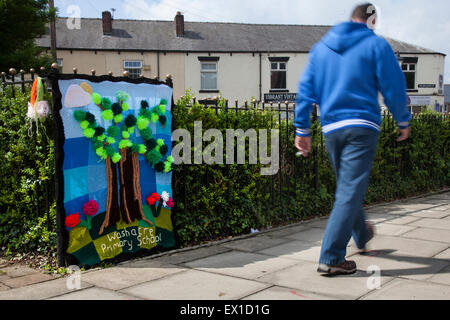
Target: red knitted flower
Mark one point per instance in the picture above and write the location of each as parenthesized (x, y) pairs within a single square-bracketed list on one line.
[(153, 198), (72, 220), (90, 208), (170, 203)]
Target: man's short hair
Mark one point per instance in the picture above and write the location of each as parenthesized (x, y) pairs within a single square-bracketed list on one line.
[(363, 11)]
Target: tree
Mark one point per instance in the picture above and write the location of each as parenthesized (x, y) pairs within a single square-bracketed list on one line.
[(21, 22), (114, 145)]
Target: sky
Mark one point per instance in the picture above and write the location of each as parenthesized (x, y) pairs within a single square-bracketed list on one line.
[(419, 22)]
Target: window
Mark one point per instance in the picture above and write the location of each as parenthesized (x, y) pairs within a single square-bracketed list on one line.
[(134, 68), (278, 74), (409, 67), (208, 74)]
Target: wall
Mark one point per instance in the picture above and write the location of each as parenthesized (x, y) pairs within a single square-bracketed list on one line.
[(105, 61)]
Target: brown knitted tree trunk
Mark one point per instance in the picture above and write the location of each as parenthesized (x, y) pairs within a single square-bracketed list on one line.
[(112, 199)]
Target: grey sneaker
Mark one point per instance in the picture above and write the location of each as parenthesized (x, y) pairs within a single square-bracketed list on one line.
[(346, 267)]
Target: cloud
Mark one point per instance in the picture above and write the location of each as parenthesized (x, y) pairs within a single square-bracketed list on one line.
[(422, 23)]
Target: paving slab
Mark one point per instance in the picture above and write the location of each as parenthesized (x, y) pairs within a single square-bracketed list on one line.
[(255, 243), (402, 220), (128, 275), (445, 254), (43, 290), (190, 255), (435, 214), (415, 206), (281, 293), (3, 287), (442, 277), (388, 229), (378, 217), (3, 263), (241, 264), (399, 265), (432, 223), (94, 293), (304, 277), (403, 289), (27, 280), (322, 223), (296, 250), (16, 271), (195, 285), (309, 235), (407, 246), (440, 235), (283, 232)]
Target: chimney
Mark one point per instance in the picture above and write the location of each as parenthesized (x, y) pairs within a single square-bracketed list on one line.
[(107, 22), (179, 24)]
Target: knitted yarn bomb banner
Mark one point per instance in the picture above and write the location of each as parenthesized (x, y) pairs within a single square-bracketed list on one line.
[(116, 168)]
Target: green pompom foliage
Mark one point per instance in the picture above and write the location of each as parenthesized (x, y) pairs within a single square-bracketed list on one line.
[(113, 131), (131, 130), (160, 142), (135, 148), (142, 149), (151, 144), (79, 115), (110, 140), (106, 103), (90, 117), (159, 167), (109, 151), (163, 150), (122, 96), (146, 113), (130, 121), (154, 118), (84, 124), (96, 98), (89, 133), (116, 157), (118, 118), (163, 101), (125, 143), (125, 134), (116, 108), (162, 109), (99, 151), (101, 138), (154, 156), (146, 134), (144, 104), (99, 131), (163, 120), (155, 109), (125, 106), (142, 123), (108, 115), (169, 159), (97, 144), (167, 166)]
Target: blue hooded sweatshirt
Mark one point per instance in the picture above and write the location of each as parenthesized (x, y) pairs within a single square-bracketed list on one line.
[(346, 70)]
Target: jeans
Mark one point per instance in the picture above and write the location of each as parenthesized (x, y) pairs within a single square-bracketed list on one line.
[(351, 151)]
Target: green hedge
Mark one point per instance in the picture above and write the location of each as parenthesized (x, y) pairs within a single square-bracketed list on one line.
[(217, 201), (27, 166)]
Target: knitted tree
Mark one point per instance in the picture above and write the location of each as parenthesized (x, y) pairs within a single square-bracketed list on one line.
[(116, 147)]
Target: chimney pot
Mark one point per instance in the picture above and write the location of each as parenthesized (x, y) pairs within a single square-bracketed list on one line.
[(179, 24), (107, 22)]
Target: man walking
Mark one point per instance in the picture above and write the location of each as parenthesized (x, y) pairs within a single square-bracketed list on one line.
[(345, 72)]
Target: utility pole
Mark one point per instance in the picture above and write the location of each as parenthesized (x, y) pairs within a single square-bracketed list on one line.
[(51, 4)]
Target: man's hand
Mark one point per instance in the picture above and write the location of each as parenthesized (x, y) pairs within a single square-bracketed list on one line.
[(303, 144), (404, 134)]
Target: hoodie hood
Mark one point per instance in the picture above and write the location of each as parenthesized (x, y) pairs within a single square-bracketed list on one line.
[(345, 35)]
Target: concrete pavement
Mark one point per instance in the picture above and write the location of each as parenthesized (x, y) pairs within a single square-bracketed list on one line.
[(409, 259)]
